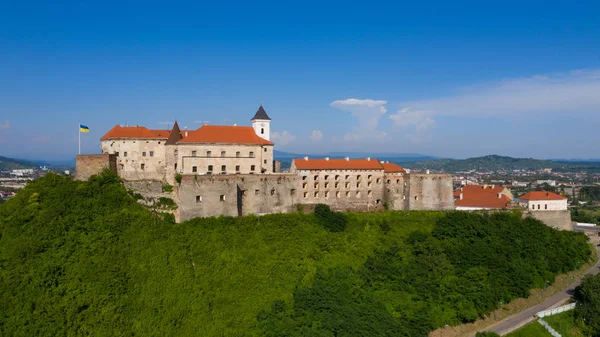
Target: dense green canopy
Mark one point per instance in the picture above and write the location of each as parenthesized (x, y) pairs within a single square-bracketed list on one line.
[(84, 258)]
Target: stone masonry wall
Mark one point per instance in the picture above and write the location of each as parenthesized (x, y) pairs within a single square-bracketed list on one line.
[(557, 219), (235, 195), (88, 165), (394, 190), (429, 192)]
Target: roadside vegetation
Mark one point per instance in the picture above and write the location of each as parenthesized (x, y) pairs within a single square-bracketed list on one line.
[(84, 258)]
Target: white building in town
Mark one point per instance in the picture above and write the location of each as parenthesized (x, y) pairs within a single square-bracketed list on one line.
[(543, 201)]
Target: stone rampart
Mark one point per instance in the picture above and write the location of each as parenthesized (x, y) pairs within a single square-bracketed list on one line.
[(236, 195), (428, 191), (557, 219), (88, 165)]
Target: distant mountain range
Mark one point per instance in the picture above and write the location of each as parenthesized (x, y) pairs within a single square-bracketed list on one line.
[(392, 157), (495, 162), (7, 164)]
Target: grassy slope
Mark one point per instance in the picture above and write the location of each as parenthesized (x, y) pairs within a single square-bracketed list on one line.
[(533, 329), (240, 270), (564, 323)]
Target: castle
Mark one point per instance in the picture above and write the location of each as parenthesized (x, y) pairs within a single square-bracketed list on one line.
[(230, 170)]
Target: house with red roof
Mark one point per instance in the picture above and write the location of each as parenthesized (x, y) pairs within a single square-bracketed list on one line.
[(543, 201), (482, 197)]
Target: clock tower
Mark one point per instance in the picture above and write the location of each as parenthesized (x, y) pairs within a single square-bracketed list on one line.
[(262, 124)]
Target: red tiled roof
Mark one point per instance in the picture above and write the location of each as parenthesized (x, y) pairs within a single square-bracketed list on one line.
[(392, 168), (481, 196), (135, 132), (476, 188), (337, 164), (223, 134), (542, 195)]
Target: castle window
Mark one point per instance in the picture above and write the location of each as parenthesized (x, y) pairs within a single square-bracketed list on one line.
[(358, 194), (151, 153), (175, 167), (357, 185), (337, 194), (378, 201), (272, 191), (305, 195), (369, 177), (143, 166), (326, 177), (316, 177), (378, 180), (194, 168), (397, 181), (416, 197), (358, 177), (337, 177), (262, 131), (347, 194), (326, 185), (238, 154), (222, 154), (210, 168), (252, 168), (223, 169), (336, 185), (304, 185), (193, 153), (347, 177), (370, 193), (389, 181), (539, 206), (237, 168), (304, 177), (144, 154), (117, 154), (256, 192), (222, 197), (347, 185), (532, 206), (158, 143), (326, 194), (545, 206), (369, 184), (316, 194), (198, 198), (122, 166), (124, 154), (265, 149), (208, 153), (316, 185), (265, 161), (293, 191), (251, 154)]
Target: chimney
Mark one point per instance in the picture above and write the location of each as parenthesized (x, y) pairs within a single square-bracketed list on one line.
[(327, 158), (499, 195), (387, 162), (493, 186), (461, 189), (368, 158), (347, 158), (305, 158), (383, 161), (186, 133), (461, 196)]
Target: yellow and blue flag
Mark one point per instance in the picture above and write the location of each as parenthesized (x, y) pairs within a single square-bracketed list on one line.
[(83, 128)]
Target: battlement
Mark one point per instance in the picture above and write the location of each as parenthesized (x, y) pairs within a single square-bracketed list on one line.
[(88, 165)]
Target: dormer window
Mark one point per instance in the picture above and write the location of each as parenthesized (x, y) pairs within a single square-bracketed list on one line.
[(262, 131)]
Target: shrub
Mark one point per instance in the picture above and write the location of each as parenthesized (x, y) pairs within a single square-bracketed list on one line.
[(166, 202), (178, 177), (487, 334), (330, 220), (167, 188)]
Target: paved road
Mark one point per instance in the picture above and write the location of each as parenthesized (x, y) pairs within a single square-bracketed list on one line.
[(526, 316)]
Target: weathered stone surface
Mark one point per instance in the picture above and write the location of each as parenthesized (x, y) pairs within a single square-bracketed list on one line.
[(556, 219), (88, 165)]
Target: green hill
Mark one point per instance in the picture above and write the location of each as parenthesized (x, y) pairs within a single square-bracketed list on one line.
[(495, 162), (83, 258), (7, 164)]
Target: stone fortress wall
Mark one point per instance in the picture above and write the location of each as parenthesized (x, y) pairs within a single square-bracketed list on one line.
[(88, 165)]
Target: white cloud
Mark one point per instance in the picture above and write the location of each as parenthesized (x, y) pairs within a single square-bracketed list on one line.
[(408, 117), (5, 125), (283, 138), (351, 137), (367, 111), (576, 92), (316, 136)]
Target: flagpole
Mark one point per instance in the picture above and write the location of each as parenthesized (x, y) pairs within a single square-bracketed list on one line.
[(79, 133)]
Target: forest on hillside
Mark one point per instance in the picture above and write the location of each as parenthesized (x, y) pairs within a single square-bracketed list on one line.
[(84, 258)]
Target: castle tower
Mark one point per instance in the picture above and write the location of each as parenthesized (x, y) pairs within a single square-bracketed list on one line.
[(262, 124)]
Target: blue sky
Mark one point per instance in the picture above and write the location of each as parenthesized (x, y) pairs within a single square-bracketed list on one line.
[(452, 79)]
